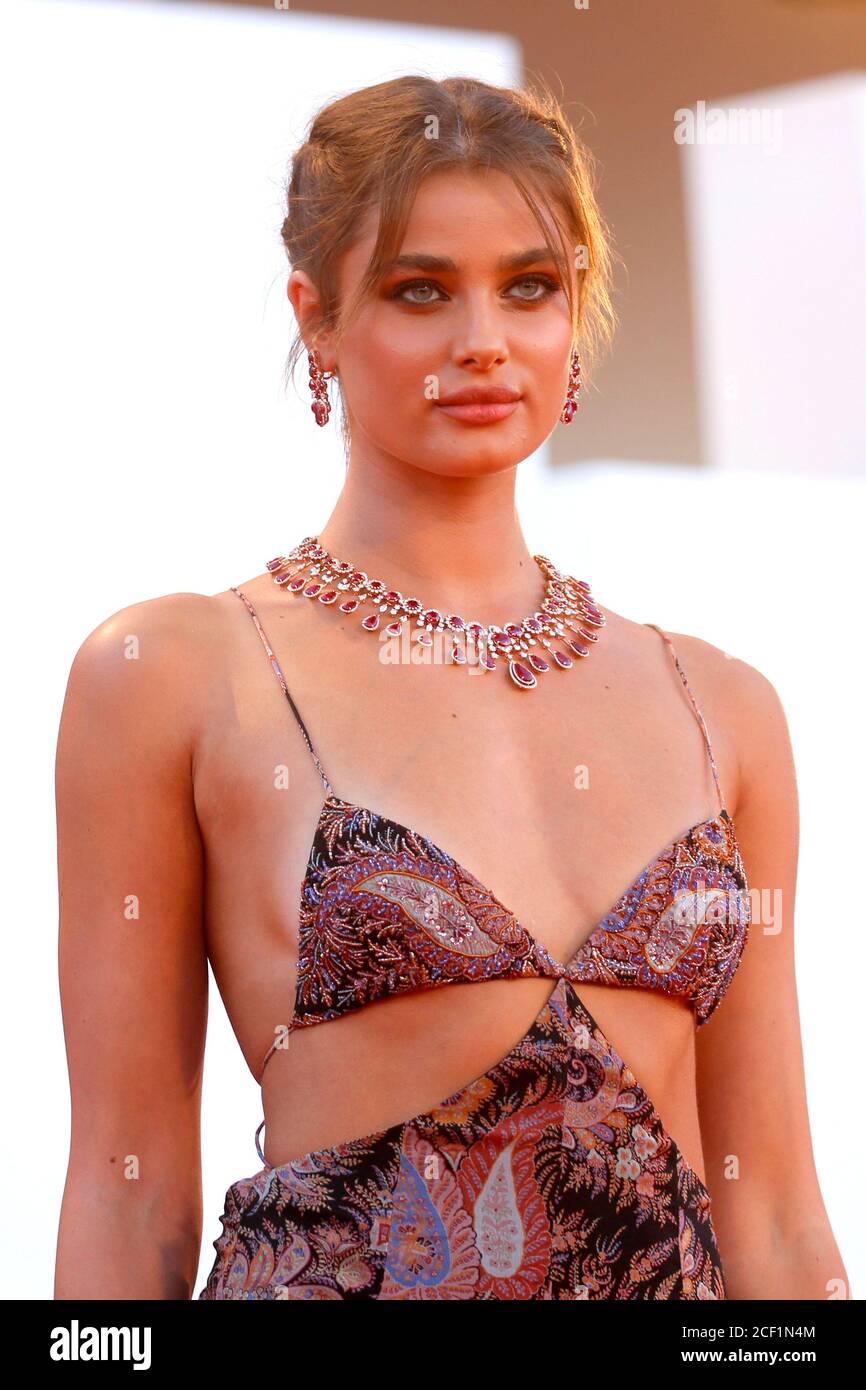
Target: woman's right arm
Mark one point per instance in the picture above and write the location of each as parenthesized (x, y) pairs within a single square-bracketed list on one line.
[(133, 963)]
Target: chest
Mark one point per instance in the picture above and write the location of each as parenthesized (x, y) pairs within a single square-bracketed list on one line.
[(554, 800)]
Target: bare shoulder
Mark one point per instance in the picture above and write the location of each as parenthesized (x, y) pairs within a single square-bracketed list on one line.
[(150, 663), (154, 631), (720, 671), (744, 708)]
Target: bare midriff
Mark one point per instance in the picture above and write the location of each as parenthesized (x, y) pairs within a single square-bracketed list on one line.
[(402, 1056)]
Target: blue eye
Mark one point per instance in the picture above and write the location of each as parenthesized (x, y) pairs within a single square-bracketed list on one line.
[(401, 291), (542, 282)]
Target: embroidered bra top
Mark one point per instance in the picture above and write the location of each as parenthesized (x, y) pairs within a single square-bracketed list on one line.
[(385, 911)]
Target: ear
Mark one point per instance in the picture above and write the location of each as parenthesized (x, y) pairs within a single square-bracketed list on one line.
[(304, 297)]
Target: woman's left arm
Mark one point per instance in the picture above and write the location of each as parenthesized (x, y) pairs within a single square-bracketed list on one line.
[(768, 1212)]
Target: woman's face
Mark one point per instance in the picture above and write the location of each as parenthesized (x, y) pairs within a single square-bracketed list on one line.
[(475, 302)]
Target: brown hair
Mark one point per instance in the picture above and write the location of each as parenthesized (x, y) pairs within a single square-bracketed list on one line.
[(371, 149)]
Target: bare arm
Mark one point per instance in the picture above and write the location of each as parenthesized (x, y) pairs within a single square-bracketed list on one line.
[(133, 969), (773, 1231)]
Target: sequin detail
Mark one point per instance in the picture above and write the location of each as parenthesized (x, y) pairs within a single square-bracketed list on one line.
[(384, 910)]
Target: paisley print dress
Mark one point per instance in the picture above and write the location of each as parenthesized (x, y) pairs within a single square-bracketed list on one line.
[(551, 1175)]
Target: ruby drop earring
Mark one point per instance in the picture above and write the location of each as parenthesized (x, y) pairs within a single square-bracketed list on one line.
[(321, 406), (572, 405)]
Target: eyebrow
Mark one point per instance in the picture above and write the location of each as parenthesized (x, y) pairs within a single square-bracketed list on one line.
[(419, 260)]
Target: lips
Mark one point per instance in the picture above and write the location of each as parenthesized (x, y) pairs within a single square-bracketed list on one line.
[(481, 395), (480, 405)]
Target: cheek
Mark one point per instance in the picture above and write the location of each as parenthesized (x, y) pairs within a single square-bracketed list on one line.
[(544, 375), (388, 370)]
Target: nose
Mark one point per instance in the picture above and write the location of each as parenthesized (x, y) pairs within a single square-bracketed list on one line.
[(481, 357), (480, 341)]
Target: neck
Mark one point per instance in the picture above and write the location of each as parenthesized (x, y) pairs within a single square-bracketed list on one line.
[(454, 543)]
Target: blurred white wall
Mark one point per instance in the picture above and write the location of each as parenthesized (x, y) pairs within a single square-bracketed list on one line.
[(776, 200)]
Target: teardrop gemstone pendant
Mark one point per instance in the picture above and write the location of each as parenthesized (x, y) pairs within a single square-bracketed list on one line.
[(521, 675)]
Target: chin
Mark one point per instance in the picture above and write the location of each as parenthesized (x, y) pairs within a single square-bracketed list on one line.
[(479, 463)]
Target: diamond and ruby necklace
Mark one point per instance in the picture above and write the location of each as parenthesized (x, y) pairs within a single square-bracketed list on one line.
[(567, 608)]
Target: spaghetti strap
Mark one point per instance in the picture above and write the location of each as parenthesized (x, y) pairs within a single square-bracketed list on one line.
[(700, 717), (281, 678)]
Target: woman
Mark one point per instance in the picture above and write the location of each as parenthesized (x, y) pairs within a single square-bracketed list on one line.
[(505, 1101)]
